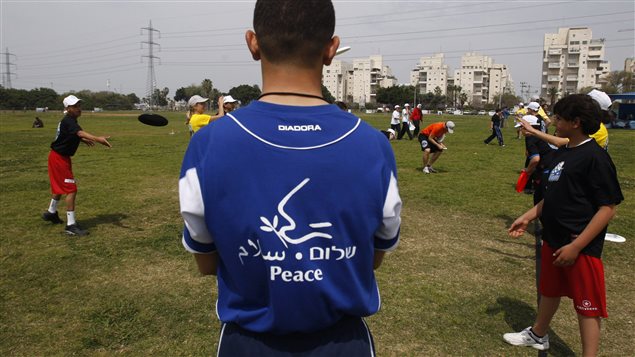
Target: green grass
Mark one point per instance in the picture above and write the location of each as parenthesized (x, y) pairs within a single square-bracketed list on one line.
[(454, 285)]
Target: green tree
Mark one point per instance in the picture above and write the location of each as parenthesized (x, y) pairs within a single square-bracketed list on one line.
[(245, 93), (395, 95), (552, 92), (619, 82), (462, 99), (326, 94), (437, 91)]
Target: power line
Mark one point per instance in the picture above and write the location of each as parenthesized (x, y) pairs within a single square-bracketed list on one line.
[(152, 79)]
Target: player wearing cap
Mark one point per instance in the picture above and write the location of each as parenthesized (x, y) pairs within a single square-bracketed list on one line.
[(533, 108), (199, 119), (538, 155), (581, 194), (291, 201), (394, 119), (431, 140), (69, 135), (405, 122), (416, 117)]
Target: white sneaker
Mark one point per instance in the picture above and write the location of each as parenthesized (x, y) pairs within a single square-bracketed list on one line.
[(425, 170), (527, 338)]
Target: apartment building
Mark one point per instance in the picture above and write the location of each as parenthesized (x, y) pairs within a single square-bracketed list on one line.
[(482, 79), (629, 65), (430, 73), (572, 60), (357, 82)]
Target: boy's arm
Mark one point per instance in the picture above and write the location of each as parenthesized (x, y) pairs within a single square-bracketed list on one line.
[(551, 139), (520, 224), (100, 139), (569, 253), (533, 163), (207, 263)]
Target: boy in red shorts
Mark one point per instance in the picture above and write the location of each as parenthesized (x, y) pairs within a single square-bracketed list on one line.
[(69, 135), (580, 194)]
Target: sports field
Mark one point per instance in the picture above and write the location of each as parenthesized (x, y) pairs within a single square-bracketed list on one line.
[(455, 284)]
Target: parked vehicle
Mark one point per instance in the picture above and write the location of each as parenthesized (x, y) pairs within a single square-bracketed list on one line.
[(482, 112)]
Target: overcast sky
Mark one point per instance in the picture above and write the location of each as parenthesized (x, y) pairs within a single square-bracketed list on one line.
[(74, 45)]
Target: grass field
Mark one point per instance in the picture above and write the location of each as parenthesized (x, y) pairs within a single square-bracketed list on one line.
[(453, 287)]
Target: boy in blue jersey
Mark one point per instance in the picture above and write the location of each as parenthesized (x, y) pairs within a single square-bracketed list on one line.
[(290, 201)]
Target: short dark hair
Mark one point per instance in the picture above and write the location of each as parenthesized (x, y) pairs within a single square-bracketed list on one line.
[(582, 107), (293, 31)]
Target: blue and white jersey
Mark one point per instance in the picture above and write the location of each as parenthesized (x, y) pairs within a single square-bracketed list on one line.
[(295, 201)]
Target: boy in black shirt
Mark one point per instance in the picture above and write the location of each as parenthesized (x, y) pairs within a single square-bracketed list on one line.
[(580, 196), (69, 135), (495, 125)]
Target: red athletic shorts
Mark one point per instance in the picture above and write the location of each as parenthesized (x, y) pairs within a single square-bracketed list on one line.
[(583, 282), (61, 174)]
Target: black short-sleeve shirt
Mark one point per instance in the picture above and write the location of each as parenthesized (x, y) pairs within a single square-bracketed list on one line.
[(66, 141), (580, 180), (496, 120)]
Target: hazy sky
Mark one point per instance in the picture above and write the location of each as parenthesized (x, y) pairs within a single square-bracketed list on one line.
[(73, 45)]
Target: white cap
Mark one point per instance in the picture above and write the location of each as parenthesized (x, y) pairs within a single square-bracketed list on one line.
[(450, 126), (392, 131), (521, 104), (533, 106), (406, 105), (531, 119), (419, 105), (602, 98), (229, 99), (397, 106), (195, 99), (70, 100)]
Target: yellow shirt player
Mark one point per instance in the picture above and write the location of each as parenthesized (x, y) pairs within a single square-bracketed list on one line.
[(198, 119), (601, 136)]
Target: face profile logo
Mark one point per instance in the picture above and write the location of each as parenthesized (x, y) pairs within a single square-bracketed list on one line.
[(272, 226), (424, 143)]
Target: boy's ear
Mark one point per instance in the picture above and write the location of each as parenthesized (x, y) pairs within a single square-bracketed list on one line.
[(577, 123), (330, 50), (252, 44)]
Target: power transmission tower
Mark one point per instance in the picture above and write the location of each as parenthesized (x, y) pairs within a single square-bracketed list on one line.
[(6, 75), (522, 90), (152, 79)]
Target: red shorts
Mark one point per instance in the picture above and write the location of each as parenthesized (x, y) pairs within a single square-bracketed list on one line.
[(583, 282), (61, 174)]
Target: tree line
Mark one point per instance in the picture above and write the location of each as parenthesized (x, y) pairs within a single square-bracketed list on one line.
[(21, 99)]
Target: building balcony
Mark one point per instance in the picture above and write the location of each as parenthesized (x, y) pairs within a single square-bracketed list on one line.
[(575, 49), (598, 41), (554, 65), (572, 78), (553, 79), (596, 53), (554, 52), (573, 65)]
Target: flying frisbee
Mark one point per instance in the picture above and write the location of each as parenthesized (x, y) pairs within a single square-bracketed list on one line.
[(153, 119), (522, 181), (342, 50), (612, 237)]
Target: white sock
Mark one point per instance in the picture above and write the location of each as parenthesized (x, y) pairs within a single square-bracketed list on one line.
[(70, 218), (53, 205)]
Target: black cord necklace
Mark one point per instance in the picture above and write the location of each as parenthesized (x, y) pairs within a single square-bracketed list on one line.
[(294, 94)]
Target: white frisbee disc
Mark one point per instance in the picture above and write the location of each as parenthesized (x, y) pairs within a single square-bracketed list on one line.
[(612, 237), (342, 50)]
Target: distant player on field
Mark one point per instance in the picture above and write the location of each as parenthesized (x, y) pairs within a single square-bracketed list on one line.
[(431, 141), (290, 201), (69, 135)]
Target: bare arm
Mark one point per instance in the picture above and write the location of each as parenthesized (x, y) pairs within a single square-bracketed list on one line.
[(520, 224), (221, 110), (531, 167), (551, 139), (569, 253), (207, 263), (378, 259), (90, 137)]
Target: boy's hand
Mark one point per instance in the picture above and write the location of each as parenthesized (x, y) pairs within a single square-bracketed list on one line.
[(88, 142), (103, 140), (518, 227), (566, 255)]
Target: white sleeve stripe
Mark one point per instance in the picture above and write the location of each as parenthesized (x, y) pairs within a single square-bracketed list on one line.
[(192, 207), (392, 212)]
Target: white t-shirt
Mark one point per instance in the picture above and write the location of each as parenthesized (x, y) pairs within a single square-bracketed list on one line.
[(405, 115), (395, 117)]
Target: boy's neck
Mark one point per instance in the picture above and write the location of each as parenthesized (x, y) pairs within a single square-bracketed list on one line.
[(291, 79), (576, 139)]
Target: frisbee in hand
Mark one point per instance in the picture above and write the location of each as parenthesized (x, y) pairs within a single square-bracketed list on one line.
[(522, 181), (153, 119), (612, 237)]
